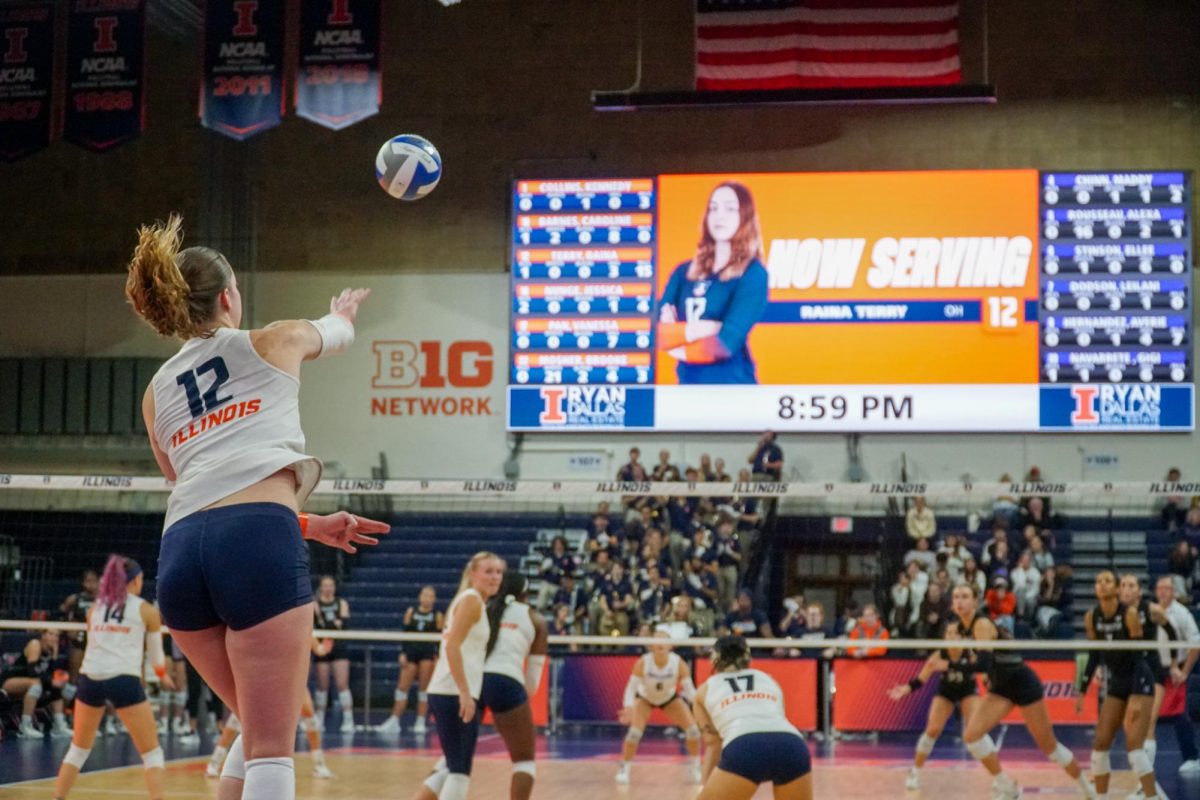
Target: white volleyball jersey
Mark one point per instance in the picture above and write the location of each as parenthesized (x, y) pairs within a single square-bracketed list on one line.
[(226, 419), (116, 640), (660, 684), (746, 701), (474, 653), (512, 644)]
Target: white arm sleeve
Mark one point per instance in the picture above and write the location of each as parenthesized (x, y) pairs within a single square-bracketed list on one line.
[(533, 674), (631, 690), (688, 690), (337, 333), (154, 648)]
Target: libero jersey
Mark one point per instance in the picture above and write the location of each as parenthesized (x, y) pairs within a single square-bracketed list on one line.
[(737, 304), (116, 640), (746, 701), (512, 643), (227, 419), (659, 684)]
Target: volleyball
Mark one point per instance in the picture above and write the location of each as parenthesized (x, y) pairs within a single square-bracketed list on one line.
[(408, 166)]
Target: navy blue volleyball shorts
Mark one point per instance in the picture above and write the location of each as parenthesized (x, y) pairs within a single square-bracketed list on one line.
[(501, 693), (457, 737), (236, 565), (777, 758), (122, 691)]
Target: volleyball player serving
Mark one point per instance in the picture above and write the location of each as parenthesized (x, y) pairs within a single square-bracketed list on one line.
[(663, 680), (955, 688), (748, 739), (122, 629), (458, 678), (224, 424)]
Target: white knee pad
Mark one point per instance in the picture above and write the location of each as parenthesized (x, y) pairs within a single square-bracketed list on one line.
[(320, 698), (233, 723), (345, 700), (153, 759), (35, 691), (77, 756), (437, 779), (1151, 748), (982, 748), (1101, 763), (634, 735), (309, 724), (1061, 755), (399, 695), (181, 698), (925, 745), (422, 697), (693, 732), (456, 787), (527, 767), (68, 692), (270, 779), (1140, 763), (235, 762)]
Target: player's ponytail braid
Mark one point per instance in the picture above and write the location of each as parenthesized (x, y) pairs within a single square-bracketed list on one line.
[(175, 290), (513, 587)]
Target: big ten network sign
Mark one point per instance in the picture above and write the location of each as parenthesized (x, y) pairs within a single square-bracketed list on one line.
[(432, 378)]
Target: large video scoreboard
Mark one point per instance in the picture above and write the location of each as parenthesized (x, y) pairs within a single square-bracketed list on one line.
[(1003, 300)]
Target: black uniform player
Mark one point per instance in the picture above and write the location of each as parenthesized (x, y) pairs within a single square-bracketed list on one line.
[(1011, 683), (38, 676), (1155, 627), (416, 662), (75, 609), (1130, 684), (331, 614), (957, 687)]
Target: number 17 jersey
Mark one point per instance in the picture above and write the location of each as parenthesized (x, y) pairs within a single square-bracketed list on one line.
[(746, 701), (226, 419)]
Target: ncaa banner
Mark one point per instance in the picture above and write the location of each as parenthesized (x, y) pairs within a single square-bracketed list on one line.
[(338, 81), (105, 60), (26, 78), (243, 67)]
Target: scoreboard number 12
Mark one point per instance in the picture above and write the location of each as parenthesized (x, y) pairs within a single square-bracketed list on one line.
[(1002, 313)]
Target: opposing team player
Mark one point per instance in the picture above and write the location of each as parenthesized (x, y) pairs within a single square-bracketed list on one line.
[(956, 687), (122, 630), (711, 302), (1129, 681), (1011, 684), (332, 613), (416, 662), (224, 425), (39, 677), (748, 739), (663, 680), (517, 647), (1155, 627), (458, 678)]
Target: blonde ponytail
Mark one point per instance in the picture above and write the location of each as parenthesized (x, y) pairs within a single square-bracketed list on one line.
[(175, 291)]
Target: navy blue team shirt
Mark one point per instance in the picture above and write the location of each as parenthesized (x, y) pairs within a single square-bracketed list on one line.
[(737, 304)]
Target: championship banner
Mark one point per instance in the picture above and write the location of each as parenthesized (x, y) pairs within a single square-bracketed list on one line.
[(338, 81), (242, 93), (26, 78), (105, 60), (796, 676), (862, 704)]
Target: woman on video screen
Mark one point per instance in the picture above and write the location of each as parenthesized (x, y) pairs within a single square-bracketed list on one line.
[(712, 301)]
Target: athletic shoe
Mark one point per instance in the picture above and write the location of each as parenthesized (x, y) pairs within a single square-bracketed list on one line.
[(213, 770), (61, 730), (179, 727), (1190, 767), (1005, 788), (623, 775), (190, 738), (27, 731), (347, 723), (913, 782), (390, 726), (419, 728), (110, 726), (162, 728), (323, 772)]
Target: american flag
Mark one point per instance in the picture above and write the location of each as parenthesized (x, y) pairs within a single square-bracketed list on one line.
[(823, 44)]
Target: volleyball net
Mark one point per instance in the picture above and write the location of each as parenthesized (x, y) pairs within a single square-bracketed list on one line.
[(834, 545)]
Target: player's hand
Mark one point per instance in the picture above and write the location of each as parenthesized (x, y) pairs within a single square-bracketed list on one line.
[(346, 304), (940, 664), (1177, 676), (625, 715), (899, 691), (344, 530), (466, 707)]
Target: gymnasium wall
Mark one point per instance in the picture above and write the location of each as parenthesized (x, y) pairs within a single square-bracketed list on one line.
[(502, 87)]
